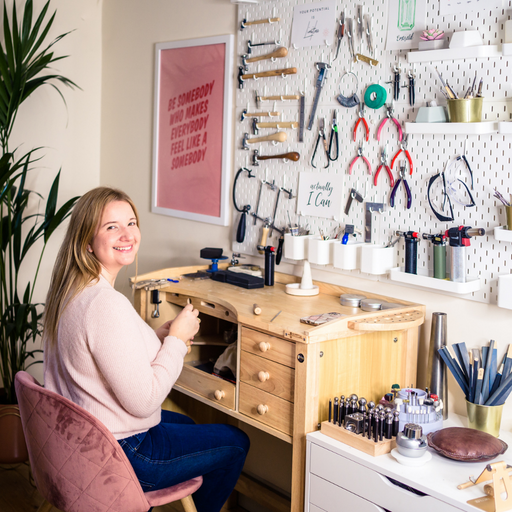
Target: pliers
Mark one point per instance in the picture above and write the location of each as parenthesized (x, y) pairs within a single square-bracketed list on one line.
[(403, 147), (360, 155), (389, 115), (361, 118), (401, 177), (334, 137), (321, 135), (384, 163)]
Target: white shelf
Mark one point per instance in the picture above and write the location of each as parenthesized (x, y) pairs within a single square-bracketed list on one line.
[(505, 127), (503, 234), (486, 127), (423, 280), (468, 52)]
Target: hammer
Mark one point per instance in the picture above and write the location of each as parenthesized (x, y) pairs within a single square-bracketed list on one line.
[(274, 137)]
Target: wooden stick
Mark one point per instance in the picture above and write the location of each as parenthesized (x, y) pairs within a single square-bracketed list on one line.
[(277, 54), (273, 72), (260, 22), (262, 114), (279, 137), (256, 309), (278, 125), (280, 98)]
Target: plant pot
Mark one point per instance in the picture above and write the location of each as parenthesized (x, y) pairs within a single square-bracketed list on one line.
[(12, 448)]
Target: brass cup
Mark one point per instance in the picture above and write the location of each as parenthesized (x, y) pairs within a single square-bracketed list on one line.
[(465, 111), (486, 418), (508, 211)]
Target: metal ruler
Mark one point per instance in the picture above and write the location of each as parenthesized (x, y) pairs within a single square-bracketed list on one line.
[(302, 108)]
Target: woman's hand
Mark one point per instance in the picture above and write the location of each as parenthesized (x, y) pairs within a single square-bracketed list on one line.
[(163, 330), (185, 325)]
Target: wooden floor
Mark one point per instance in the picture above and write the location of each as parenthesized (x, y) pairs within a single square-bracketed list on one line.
[(17, 494)]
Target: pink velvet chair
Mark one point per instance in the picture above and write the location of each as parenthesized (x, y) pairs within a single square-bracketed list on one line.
[(78, 465)]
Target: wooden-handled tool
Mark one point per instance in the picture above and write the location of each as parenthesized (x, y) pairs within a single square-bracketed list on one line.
[(263, 74), (294, 157), (258, 114), (278, 125), (273, 137), (246, 23), (279, 53), (288, 97)]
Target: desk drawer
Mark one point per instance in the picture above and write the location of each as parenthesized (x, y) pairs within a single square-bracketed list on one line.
[(331, 498), (267, 375), (273, 411), (269, 347), (369, 484), (218, 390)]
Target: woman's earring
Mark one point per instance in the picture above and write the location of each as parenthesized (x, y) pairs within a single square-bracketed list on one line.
[(89, 249)]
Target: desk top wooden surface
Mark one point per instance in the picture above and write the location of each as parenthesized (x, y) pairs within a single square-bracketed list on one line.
[(274, 299)]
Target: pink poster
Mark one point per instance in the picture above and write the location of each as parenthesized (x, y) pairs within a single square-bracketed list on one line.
[(190, 129)]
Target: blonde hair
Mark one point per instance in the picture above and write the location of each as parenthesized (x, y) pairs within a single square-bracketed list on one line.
[(75, 267)]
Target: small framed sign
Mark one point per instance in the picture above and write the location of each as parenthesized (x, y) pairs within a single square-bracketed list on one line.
[(320, 194)]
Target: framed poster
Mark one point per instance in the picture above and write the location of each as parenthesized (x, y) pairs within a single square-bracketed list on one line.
[(192, 129)]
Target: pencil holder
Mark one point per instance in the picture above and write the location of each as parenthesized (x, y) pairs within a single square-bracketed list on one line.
[(296, 247), (347, 256), (486, 418), (465, 111), (376, 259), (508, 211), (321, 251)]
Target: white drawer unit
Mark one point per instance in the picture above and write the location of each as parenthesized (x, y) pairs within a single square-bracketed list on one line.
[(339, 477)]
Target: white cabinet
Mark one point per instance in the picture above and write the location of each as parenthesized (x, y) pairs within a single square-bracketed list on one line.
[(339, 478)]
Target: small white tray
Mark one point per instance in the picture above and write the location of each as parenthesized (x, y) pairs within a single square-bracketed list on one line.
[(505, 127), (485, 127), (455, 53), (503, 234), (425, 281)]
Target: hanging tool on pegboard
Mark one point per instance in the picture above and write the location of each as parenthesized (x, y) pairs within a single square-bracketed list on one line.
[(322, 68)]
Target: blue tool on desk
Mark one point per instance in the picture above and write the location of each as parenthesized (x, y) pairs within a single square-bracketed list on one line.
[(210, 253)]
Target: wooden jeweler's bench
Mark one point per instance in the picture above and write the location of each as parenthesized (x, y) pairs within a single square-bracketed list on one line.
[(286, 370)]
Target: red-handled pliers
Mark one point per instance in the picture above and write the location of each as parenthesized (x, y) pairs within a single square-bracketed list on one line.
[(360, 155), (389, 115), (384, 163), (403, 147), (361, 118)]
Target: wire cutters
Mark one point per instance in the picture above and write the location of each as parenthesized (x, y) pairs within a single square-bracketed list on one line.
[(384, 163), (321, 135), (361, 118), (403, 147), (389, 115), (360, 155), (401, 177), (334, 138)]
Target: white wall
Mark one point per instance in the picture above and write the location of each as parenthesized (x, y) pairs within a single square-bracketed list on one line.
[(70, 133), (131, 28)]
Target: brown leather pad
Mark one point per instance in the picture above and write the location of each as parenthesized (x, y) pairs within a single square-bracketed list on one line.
[(466, 444)]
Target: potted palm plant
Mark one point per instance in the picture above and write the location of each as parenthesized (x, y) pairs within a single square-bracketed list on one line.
[(25, 66)]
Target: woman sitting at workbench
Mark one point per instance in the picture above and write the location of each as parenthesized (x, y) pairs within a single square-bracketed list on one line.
[(101, 355)]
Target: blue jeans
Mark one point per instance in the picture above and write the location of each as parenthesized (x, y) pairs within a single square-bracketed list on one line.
[(177, 450)]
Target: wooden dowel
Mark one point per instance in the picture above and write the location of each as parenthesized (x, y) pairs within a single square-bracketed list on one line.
[(256, 309)]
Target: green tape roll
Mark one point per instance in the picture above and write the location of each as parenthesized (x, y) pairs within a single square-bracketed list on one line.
[(375, 96)]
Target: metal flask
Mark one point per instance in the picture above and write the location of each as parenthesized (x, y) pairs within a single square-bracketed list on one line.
[(436, 374)]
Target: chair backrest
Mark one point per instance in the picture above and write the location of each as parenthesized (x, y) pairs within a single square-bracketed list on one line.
[(77, 463)]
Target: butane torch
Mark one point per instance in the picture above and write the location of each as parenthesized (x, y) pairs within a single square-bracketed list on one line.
[(459, 240), (411, 250), (439, 245)]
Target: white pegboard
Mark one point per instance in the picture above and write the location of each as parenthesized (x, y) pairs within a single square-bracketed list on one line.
[(490, 156)]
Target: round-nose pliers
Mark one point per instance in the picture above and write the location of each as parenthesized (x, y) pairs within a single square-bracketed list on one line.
[(384, 163)]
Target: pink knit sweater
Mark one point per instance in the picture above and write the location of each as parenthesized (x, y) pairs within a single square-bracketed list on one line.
[(110, 362)]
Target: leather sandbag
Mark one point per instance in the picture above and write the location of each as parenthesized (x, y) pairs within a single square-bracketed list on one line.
[(466, 444)]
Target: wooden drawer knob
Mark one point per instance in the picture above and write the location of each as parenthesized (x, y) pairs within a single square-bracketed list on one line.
[(264, 346), (263, 376), (219, 394), (262, 409)]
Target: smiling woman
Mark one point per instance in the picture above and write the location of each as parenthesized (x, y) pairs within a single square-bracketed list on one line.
[(101, 355)]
